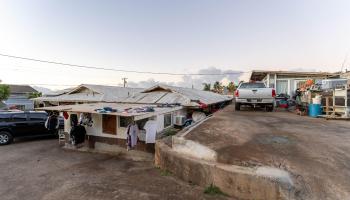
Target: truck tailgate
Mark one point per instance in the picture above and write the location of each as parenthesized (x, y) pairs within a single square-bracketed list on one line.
[(255, 93)]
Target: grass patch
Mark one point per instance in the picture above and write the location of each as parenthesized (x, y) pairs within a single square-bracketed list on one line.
[(213, 190), (170, 132), (164, 172)]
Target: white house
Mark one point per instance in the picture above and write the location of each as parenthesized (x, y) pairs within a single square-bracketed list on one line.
[(110, 128), (172, 105)]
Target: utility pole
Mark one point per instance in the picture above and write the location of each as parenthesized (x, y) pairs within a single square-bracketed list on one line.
[(124, 81)]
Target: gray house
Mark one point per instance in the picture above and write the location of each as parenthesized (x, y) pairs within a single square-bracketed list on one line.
[(19, 98), (286, 82)]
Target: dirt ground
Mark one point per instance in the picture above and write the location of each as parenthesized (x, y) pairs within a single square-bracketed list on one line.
[(314, 151), (40, 169)]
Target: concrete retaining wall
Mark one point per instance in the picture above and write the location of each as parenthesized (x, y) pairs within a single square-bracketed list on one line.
[(236, 181), (193, 149)]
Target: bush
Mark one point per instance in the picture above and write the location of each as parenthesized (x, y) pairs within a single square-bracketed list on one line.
[(4, 92), (213, 190), (164, 172), (170, 132)]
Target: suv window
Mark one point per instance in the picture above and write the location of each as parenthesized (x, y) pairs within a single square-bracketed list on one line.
[(4, 118), (37, 116), (252, 85), (19, 117)]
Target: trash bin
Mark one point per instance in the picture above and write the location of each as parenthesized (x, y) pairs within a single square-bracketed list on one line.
[(315, 110)]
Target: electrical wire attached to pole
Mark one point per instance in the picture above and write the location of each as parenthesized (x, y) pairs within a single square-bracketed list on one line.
[(113, 69), (344, 62)]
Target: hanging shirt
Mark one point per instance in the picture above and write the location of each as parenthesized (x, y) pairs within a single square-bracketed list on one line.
[(151, 130), (133, 131), (52, 122)]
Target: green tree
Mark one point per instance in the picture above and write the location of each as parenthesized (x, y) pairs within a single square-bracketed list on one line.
[(34, 95), (4, 92), (217, 87), (207, 86), (231, 87)]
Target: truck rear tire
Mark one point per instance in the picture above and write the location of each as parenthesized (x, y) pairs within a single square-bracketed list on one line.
[(269, 108), (237, 106)]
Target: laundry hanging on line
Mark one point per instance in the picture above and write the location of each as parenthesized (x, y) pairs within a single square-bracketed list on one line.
[(85, 119), (132, 131), (151, 131), (52, 122), (106, 110)]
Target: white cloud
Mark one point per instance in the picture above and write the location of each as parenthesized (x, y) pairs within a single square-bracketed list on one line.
[(196, 80)]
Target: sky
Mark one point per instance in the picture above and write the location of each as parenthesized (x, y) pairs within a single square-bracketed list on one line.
[(179, 36)]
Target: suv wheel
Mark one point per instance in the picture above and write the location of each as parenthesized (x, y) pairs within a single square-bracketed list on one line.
[(5, 137)]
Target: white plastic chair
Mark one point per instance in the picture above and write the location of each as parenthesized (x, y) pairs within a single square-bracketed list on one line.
[(61, 136)]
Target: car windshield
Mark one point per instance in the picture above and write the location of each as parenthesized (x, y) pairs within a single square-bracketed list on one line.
[(252, 85)]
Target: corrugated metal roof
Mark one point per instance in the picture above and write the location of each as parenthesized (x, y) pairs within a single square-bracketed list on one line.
[(162, 94), (152, 98), (159, 94), (113, 91), (57, 92), (172, 98), (135, 98), (100, 93)]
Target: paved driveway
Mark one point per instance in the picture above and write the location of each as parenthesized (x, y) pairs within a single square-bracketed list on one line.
[(315, 151), (34, 170)]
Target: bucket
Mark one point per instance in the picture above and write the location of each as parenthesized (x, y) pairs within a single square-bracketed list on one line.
[(314, 110), (316, 100)]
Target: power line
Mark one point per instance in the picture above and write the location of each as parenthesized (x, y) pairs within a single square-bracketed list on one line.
[(40, 84), (112, 69)]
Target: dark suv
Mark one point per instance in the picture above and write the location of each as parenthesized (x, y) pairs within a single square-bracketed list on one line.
[(23, 124)]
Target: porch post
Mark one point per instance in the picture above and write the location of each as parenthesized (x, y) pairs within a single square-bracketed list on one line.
[(289, 90)]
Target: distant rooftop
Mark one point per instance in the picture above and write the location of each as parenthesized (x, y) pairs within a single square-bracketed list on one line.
[(258, 75), (21, 89)]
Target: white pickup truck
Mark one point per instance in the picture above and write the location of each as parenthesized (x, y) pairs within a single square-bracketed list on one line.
[(255, 94)]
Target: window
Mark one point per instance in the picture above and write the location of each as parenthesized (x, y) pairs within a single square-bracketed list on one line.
[(124, 121), (19, 117), (167, 120), (141, 123), (282, 87), (252, 85), (4, 118), (109, 124)]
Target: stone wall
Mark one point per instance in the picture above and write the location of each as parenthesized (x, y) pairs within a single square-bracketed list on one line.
[(236, 181)]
